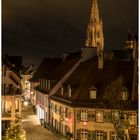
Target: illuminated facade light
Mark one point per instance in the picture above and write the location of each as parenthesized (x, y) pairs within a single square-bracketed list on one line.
[(85, 123)]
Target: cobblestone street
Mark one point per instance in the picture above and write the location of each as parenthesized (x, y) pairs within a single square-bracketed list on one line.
[(34, 131)]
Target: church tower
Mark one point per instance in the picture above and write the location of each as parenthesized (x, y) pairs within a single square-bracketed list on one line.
[(95, 37)]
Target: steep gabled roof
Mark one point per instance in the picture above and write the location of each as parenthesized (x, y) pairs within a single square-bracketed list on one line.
[(65, 66), (122, 54), (45, 68), (14, 63), (87, 75)]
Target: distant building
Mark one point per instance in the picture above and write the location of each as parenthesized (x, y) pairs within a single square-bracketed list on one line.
[(11, 91), (45, 68), (95, 36), (27, 74)]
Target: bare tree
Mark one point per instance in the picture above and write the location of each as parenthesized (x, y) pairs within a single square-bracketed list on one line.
[(113, 96)]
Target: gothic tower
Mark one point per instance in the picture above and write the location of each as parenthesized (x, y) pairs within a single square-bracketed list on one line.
[(95, 37)]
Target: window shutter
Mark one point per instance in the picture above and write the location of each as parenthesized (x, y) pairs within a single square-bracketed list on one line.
[(93, 136), (127, 115), (91, 116), (105, 136), (89, 135), (78, 133), (78, 115), (107, 116)]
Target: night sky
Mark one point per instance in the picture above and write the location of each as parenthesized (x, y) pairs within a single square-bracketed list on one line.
[(46, 28)]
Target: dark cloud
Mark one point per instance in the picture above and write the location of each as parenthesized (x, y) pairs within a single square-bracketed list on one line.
[(35, 28)]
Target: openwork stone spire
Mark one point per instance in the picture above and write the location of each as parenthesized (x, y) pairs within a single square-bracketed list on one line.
[(95, 37), (94, 11)]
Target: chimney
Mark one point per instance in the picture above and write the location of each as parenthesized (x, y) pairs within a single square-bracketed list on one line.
[(100, 60)]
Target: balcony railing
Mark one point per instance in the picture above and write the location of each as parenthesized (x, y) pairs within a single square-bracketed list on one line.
[(12, 91)]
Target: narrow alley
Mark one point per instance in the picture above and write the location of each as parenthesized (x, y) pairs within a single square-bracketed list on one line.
[(34, 131)]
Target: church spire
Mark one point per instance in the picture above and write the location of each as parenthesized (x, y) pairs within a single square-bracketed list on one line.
[(95, 37), (94, 11)]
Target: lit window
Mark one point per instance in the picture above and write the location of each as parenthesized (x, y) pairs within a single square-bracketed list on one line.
[(99, 135), (133, 118), (8, 105), (115, 115), (99, 116), (84, 133), (113, 136), (124, 95), (17, 105), (93, 94), (84, 115)]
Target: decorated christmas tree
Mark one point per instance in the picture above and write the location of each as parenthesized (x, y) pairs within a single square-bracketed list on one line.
[(15, 132)]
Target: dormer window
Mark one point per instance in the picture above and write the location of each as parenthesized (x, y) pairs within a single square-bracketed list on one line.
[(124, 95), (92, 94)]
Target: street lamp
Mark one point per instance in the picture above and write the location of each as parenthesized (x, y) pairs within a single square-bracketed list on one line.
[(25, 103)]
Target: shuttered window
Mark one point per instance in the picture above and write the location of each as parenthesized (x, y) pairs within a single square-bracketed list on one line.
[(78, 134), (78, 115), (91, 115), (91, 135), (107, 116)]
